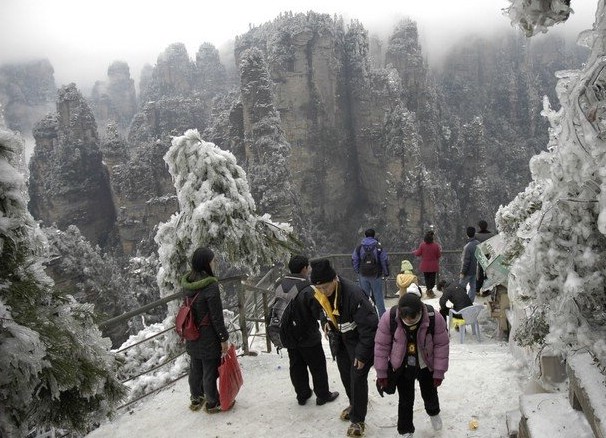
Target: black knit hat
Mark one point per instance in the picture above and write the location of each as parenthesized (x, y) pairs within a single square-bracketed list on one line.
[(322, 272), (410, 305)]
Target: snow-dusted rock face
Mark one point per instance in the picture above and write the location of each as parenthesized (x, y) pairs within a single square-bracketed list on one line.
[(69, 184), (375, 140), (27, 93), (114, 100)]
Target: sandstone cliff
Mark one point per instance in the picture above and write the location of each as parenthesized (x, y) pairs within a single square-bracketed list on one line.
[(68, 183), (114, 100), (27, 93)]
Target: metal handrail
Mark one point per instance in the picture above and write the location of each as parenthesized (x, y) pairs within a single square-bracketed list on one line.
[(244, 306), (128, 315)]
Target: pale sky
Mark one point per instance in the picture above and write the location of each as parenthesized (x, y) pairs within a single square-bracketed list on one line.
[(82, 38)]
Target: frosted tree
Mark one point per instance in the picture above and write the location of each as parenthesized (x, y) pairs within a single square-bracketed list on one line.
[(556, 229), (55, 369), (216, 210), (93, 277)]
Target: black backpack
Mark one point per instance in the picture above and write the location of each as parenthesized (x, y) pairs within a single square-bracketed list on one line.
[(292, 329), (281, 310), (369, 260)]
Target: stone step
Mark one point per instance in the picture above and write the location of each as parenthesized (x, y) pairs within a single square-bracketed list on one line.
[(550, 415)]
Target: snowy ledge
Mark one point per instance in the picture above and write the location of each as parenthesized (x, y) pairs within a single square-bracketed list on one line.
[(546, 414), (587, 391)]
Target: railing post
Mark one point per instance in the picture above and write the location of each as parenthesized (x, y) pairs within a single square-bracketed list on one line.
[(265, 315), (242, 311)]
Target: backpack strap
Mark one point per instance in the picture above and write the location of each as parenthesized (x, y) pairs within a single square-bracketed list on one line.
[(432, 319), (189, 303), (392, 320)]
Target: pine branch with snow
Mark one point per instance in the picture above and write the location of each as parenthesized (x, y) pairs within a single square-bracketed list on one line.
[(554, 230), (216, 210), (55, 368)]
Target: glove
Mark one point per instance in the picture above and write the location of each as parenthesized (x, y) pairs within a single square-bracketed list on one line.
[(381, 384), (437, 382)]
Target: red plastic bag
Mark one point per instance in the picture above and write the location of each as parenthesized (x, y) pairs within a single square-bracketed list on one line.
[(230, 379)]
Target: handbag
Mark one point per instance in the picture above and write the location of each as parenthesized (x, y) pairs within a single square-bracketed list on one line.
[(230, 379)]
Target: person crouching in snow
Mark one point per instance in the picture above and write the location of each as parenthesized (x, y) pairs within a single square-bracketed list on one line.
[(405, 279), (417, 350)]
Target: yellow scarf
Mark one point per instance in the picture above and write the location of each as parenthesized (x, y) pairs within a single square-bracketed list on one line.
[(327, 306)]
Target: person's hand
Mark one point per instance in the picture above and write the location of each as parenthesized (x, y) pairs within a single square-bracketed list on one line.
[(358, 364), (381, 385), (224, 347), (461, 276), (437, 382)]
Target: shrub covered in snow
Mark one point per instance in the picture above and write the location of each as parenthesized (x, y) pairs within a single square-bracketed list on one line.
[(55, 368), (556, 229)]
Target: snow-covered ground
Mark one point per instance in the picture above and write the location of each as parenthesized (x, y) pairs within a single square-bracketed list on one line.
[(482, 383)]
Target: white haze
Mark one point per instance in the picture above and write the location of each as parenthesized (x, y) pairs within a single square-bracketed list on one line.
[(82, 38)]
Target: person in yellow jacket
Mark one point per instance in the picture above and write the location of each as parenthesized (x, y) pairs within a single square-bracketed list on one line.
[(406, 278)]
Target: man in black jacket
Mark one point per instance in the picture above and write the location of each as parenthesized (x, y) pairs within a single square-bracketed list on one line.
[(454, 293), (350, 321), (309, 352)]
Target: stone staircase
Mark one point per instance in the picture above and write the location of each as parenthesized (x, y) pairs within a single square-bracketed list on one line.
[(580, 414)]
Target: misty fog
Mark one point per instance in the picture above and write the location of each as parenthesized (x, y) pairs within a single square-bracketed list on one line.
[(82, 41)]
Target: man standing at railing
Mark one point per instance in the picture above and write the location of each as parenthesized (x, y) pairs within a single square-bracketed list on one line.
[(371, 263), (306, 352)]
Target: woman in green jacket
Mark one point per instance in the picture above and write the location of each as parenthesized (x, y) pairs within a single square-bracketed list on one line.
[(205, 352)]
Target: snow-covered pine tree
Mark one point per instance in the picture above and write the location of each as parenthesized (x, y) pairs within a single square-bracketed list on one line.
[(556, 229), (55, 368), (93, 277), (216, 210)]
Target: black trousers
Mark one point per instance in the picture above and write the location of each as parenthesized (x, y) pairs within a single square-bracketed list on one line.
[(354, 381), (430, 279), (406, 401), (302, 358), (203, 375)]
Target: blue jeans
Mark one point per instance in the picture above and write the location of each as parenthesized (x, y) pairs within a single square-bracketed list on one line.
[(373, 288), (471, 279)]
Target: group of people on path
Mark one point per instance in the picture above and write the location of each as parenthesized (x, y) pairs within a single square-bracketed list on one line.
[(399, 345), (405, 344), (371, 262)]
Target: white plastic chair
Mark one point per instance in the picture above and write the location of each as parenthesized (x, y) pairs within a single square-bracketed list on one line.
[(470, 315)]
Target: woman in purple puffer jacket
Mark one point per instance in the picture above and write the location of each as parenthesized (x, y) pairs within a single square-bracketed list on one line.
[(415, 354)]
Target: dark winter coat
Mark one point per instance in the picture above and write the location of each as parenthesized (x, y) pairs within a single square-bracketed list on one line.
[(306, 308), (368, 243), (483, 236), (430, 254), (433, 348), (469, 263), (208, 314), (356, 320), (457, 295)]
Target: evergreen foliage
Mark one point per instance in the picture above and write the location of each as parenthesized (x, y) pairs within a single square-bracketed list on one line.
[(216, 210), (55, 369), (555, 230)]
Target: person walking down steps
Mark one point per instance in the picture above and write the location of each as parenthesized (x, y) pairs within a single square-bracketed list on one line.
[(412, 344)]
